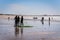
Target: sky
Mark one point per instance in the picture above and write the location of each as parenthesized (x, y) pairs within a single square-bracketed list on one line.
[(30, 7)]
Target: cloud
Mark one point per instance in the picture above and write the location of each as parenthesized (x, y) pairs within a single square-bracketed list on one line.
[(29, 9)]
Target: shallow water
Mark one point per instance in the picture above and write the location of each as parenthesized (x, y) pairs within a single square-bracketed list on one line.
[(40, 31)]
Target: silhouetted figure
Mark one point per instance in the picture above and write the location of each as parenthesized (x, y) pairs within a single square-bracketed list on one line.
[(49, 18), (18, 19), (42, 19), (49, 21), (22, 19)]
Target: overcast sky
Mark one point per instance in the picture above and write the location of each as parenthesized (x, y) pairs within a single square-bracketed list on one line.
[(30, 7)]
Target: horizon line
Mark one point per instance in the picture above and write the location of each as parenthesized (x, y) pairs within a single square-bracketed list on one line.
[(29, 15)]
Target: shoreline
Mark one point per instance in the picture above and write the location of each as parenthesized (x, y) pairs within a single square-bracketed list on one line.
[(31, 17)]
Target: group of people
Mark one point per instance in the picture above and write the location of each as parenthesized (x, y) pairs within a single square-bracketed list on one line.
[(43, 19), (17, 19)]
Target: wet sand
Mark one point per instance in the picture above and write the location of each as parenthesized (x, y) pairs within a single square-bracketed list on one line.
[(38, 32)]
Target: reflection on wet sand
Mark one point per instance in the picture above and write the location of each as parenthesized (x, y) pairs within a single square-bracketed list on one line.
[(42, 22), (21, 33), (49, 23), (9, 31), (17, 31)]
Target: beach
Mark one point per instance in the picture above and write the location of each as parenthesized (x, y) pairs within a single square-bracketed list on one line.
[(38, 31)]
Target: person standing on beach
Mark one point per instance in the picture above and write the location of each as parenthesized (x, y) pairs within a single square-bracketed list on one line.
[(22, 19), (15, 20), (49, 21), (18, 19), (42, 19), (49, 18)]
